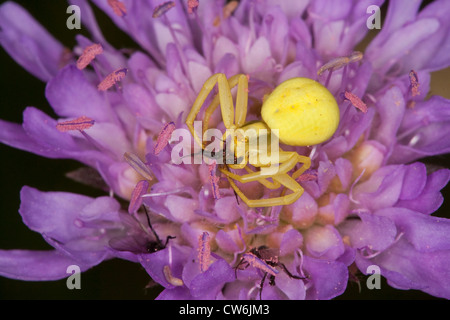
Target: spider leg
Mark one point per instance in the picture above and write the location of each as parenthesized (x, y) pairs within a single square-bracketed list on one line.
[(296, 158), (268, 184), (225, 99), (265, 182), (288, 160), (287, 181), (241, 98), (306, 164), (241, 101), (284, 180)]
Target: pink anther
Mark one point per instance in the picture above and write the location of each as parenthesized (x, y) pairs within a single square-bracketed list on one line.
[(229, 8), (307, 177), (204, 251), (356, 102), (164, 137), (214, 180), (112, 79), (227, 11), (136, 196), (192, 5), (414, 80), (81, 123), (163, 8), (118, 7), (89, 54)]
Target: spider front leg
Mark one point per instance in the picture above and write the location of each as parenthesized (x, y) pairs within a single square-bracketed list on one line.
[(224, 97), (241, 82)]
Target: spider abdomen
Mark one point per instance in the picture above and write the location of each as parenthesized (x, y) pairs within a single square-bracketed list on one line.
[(304, 112)]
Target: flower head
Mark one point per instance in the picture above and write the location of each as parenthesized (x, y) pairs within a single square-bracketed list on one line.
[(367, 199)]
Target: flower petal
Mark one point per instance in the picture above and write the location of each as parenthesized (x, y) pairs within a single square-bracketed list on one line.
[(208, 284), (431, 198), (294, 289), (291, 241), (414, 181), (154, 263), (425, 233), (31, 265), (432, 53), (399, 42), (406, 268), (324, 242), (78, 225), (28, 42), (423, 131), (372, 231), (329, 278), (71, 95), (391, 108), (382, 189)]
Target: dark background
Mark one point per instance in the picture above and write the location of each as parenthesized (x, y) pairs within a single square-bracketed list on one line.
[(115, 279)]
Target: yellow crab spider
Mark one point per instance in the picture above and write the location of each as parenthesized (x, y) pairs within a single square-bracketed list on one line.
[(304, 112)]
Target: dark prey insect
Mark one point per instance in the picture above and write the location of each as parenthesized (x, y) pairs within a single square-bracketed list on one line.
[(223, 157), (266, 260), (153, 246), (138, 242)]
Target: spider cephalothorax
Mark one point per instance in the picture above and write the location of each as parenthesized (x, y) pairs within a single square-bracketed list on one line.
[(300, 112)]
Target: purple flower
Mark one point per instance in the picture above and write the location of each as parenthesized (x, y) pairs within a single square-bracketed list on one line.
[(368, 199)]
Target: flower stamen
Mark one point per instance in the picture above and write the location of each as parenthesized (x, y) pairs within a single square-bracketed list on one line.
[(162, 9), (227, 11), (340, 62), (136, 196), (81, 123), (170, 278), (414, 80), (204, 251), (214, 180), (136, 163), (89, 54), (368, 253), (350, 195), (112, 79), (118, 7), (356, 101), (164, 137), (229, 8), (166, 193), (307, 177), (192, 5)]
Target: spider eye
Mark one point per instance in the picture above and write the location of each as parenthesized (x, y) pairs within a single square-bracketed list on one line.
[(303, 111)]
